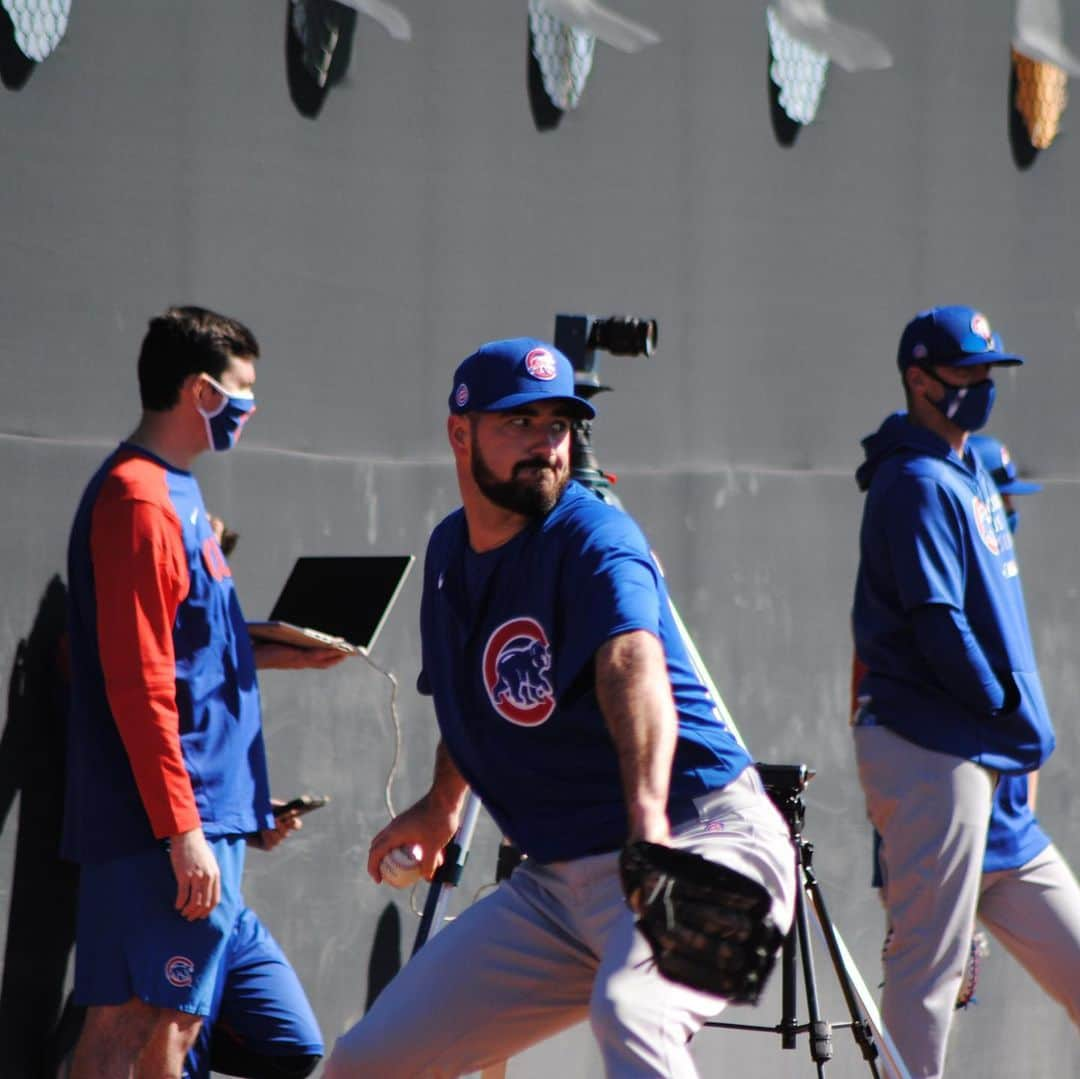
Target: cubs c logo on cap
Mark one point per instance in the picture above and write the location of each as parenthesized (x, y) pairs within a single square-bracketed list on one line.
[(541, 364), (980, 326), (461, 395), (516, 666), (179, 971)]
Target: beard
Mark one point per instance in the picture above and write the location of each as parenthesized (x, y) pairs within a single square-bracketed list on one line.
[(533, 490)]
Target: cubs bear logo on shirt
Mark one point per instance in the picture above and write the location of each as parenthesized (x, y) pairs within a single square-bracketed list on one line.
[(541, 364), (516, 666)]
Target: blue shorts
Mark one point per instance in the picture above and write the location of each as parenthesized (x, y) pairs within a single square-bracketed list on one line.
[(132, 942), (259, 1006)]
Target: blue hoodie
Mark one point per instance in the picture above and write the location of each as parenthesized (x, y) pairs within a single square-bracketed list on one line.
[(934, 533)]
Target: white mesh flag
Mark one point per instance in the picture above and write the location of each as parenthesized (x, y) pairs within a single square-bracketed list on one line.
[(564, 54), (798, 70), (39, 25)]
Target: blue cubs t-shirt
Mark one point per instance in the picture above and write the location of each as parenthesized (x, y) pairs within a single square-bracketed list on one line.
[(509, 638)]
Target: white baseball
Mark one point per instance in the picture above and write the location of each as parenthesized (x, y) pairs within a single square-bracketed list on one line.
[(401, 867)]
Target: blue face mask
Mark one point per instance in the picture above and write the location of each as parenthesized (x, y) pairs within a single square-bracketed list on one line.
[(224, 424), (966, 406)]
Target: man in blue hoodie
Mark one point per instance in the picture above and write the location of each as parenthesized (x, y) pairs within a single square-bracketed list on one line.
[(951, 698)]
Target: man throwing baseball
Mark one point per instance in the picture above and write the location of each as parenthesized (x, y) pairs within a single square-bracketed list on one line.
[(567, 701)]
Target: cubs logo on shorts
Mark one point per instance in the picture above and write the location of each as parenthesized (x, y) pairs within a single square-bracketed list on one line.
[(984, 521), (179, 971), (541, 364), (517, 662)]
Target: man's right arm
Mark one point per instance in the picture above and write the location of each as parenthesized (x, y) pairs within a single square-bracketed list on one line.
[(924, 529), (430, 823), (140, 579)]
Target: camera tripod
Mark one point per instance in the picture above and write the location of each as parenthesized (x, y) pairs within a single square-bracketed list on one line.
[(785, 785)]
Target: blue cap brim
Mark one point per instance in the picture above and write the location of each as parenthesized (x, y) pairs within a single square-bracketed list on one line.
[(516, 400), (997, 359), (1019, 487)]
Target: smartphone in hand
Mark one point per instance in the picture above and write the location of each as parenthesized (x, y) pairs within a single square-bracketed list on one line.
[(299, 806)]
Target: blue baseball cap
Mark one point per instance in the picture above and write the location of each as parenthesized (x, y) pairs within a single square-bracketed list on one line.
[(953, 336), (996, 459), (508, 374)]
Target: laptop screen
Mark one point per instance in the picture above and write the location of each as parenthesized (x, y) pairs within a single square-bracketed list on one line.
[(346, 597)]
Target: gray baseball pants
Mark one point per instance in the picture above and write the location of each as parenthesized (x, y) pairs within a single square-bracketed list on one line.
[(1034, 911), (556, 944), (932, 811)]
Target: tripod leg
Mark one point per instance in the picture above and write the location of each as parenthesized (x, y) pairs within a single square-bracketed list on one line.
[(789, 1023), (457, 852), (509, 858), (865, 1021), (820, 1031)]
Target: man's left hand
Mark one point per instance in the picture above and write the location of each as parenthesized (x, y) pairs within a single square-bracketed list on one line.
[(270, 655)]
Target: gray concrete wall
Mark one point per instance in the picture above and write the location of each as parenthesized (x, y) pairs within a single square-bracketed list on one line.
[(157, 158)]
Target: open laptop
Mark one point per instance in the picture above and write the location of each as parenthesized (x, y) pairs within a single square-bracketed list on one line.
[(335, 602)]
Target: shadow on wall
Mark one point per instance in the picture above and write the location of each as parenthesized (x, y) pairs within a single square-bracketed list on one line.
[(41, 917), (545, 113), (385, 960), (15, 67), (785, 130)]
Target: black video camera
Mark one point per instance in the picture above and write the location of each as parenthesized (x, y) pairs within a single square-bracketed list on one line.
[(787, 780), (784, 784), (580, 337)]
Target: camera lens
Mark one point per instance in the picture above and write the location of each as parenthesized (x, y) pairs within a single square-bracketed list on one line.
[(624, 336)]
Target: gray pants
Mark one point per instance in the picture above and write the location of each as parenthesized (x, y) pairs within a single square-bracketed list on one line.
[(554, 945), (932, 811), (1034, 911)]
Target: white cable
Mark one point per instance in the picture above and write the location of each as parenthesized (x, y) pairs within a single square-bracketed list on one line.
[(388, 796)]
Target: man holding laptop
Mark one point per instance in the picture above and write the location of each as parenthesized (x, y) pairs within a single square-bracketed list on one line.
[(166, 775)]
